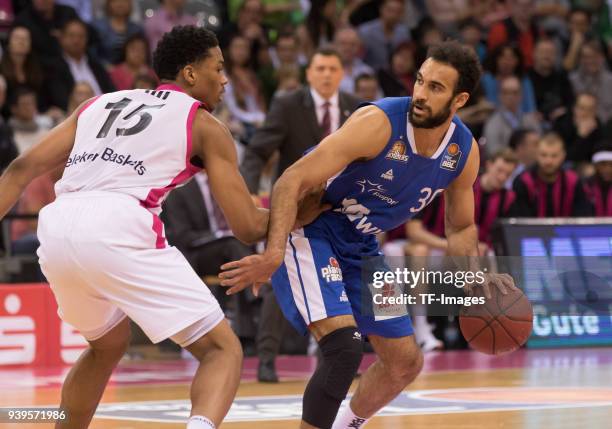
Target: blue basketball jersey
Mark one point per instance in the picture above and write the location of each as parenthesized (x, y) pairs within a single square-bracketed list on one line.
[(382, 193)]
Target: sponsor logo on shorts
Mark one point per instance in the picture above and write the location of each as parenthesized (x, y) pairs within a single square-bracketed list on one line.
[(108, 155), (397, 152), (451, 157), (332, 273)]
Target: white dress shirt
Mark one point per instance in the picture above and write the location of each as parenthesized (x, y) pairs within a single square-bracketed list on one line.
[(81, 72), (334, 109)]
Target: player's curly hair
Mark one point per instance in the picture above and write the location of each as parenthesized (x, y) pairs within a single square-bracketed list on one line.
[(182, 46), (463, 59)]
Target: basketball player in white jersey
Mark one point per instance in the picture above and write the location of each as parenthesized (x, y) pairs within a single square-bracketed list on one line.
[(103, 248)]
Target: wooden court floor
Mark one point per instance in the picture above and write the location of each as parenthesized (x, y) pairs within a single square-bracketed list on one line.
[(557, 389)]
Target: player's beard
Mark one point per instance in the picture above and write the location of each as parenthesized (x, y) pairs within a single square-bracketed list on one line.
[(431, 121)]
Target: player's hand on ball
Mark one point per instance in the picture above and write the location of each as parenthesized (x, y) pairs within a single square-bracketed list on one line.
[(253, 270), (504, 282)]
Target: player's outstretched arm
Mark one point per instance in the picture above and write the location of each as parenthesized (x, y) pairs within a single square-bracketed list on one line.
[(214, 144), (363, 136), (50, 153)]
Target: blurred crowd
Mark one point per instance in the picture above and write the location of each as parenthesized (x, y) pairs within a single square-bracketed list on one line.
[(297, 69)]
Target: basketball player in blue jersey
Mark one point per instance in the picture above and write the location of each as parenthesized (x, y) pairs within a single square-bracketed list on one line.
[(388, 161)]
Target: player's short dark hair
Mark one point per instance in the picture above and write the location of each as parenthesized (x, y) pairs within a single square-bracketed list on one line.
[(182, 46), (326, 52), (461, 58)]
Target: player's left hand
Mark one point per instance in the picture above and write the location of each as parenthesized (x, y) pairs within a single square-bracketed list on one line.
[(502, 281), (253, 270)]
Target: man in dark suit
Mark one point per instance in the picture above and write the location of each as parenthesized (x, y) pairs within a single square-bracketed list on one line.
[(74, 65), (195, 224), (300, 120), (296, 122)]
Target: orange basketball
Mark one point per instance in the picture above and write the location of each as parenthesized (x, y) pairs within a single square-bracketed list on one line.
[(501, 325)]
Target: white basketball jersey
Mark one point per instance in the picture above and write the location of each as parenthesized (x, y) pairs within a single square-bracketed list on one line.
[(135, 142)]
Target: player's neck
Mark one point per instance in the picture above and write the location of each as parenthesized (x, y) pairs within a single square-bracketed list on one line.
[(427, 140)]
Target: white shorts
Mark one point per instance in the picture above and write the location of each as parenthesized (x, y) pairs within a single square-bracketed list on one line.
[(98, 251)]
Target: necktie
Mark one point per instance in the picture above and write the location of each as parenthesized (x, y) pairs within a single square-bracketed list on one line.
[(326, 122)]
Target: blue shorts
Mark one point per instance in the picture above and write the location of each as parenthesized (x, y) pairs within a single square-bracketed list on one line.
[(323, 275)]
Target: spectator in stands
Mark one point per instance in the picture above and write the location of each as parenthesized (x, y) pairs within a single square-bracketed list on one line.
[(289, 80), (518, 29), (524, 143), (170, 14), (425, 34), (448, 14), (295, 122), (145, 81), (284, 55), (74, 65), (599, 187), (28, 126), (547, 190), (320, 26), (243, 94), (348, 45), (476, 112), (553, 90), (425, 246), (135, 60), (20, 65), (8, 149), (115, 28), (471, 35), (301, 119), (580, 129), (507, 117), (579, 27), (594, 77), (45, 19), (488, 12), (381, 36), (196, 225), (492, 200), (249, 23), (504, 61), (367, 88), (81, 92), (83, 8), (397, 80)]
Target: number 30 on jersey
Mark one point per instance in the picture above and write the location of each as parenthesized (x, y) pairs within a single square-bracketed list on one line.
[(427, 196)]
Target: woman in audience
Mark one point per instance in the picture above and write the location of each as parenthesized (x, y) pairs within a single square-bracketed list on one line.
[(398, 80), (135, 60), (244, 97), (504, 61), (21, 67), (115, 28)]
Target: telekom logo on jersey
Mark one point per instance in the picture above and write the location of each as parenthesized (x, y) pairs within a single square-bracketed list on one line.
[(33, 338)]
